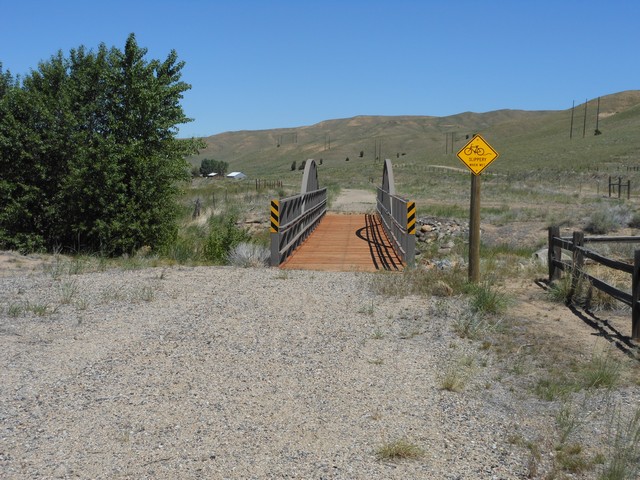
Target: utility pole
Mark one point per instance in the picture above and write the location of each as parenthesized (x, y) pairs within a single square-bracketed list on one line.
[(584, 126), (573, 106)]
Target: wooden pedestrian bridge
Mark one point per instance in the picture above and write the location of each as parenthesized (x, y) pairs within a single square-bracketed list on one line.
[(305, 236)]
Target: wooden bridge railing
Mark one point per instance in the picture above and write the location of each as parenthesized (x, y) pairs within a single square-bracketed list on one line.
[(575, 245)]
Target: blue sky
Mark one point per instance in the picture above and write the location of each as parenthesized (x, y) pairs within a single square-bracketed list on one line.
[(278, 64)]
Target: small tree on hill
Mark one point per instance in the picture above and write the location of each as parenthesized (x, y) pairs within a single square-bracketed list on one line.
[(209, 165)]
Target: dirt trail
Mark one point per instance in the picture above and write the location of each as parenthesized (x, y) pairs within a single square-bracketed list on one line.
[(354, 201)]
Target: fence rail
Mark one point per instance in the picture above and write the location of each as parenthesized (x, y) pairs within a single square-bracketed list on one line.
[(576, 245)]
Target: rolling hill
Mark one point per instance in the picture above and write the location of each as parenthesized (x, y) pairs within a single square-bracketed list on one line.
[(526, 140)]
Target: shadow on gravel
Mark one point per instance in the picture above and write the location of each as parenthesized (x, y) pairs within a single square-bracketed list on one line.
[(601, 326)]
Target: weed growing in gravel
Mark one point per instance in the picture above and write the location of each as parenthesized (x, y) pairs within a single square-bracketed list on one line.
[(82, 303), (485, 299), (420, 281), (570, 458), (399, 450), (602, 371), (145, 293), (367, 309), (282, 275), (14, 310), (623, 458), (568, 420), (56, 267), (112, 294), (454, 379), (555, 386), (377, 334), (535, 454), (469, 325), (38, 309), (77, 265), (68, 290)]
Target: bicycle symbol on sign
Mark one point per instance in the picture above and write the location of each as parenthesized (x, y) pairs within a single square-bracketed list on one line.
[(474, 149)]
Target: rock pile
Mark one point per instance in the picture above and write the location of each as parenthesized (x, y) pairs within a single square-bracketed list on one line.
[(444, 231), (442, 235)]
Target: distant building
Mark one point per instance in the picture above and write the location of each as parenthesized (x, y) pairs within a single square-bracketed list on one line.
[(236, 175), (212, 174)]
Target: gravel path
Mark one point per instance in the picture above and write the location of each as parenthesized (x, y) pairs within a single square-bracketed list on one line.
[(241, 373)]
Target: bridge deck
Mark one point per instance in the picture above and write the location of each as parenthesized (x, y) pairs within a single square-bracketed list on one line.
[(346, 243)]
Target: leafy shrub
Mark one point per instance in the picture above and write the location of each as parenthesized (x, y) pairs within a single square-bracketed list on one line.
[(80, 168), (635, 220), (223, 236), (607, 219)]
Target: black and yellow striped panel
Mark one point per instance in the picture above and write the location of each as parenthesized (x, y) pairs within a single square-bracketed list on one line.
[(411, 218), (275, 216)]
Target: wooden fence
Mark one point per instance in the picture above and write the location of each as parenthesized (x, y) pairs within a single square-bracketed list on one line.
[(619, 186), (262, 184), (579, 253)]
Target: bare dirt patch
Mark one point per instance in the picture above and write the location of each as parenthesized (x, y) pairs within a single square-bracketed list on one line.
[(354, 201)]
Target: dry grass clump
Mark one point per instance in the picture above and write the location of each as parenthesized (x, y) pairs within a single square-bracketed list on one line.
[(247, 254), (584, 294), (399, 450), (421, 281)]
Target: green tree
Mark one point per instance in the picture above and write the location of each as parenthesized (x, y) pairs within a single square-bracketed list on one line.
[(89, 153), (209, 165)]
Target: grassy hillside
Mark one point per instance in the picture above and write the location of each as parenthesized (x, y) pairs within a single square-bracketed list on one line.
[(525, 139), (538, 162)]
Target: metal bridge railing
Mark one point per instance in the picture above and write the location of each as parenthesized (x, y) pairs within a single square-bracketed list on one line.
[(398, 217), (294, 218)]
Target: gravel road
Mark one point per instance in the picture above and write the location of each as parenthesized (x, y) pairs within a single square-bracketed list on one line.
[(231, 373)]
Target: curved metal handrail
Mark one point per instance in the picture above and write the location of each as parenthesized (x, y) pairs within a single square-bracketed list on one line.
[(298, 215), (395, 212)]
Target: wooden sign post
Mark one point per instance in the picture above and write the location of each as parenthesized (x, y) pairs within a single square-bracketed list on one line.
[(474, 230), (477, 154)]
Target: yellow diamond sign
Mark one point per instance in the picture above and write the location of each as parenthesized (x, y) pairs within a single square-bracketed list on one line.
[(477, 154)]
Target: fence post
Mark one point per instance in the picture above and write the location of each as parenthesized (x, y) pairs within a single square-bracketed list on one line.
[(628, 189), (609, 186), (619, 185), (554, 253), (635, 293), (578, 261)]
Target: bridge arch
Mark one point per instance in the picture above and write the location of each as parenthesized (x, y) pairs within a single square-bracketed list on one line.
[(310, 177)]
